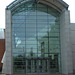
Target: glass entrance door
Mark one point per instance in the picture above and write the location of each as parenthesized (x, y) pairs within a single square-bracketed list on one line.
[(54, 63), (31, 66), (43, 65), (37, 65)]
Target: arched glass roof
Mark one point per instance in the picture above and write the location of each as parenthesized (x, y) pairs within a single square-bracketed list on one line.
[(59, 5)]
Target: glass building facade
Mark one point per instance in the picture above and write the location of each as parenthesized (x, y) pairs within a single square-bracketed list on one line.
[(36, 39)]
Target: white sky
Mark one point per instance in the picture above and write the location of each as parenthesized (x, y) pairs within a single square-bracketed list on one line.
[(4, 3)]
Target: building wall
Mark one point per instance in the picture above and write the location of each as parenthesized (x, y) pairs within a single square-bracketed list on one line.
[(66, 54), (8, 70), (2, 49), (72, 35)]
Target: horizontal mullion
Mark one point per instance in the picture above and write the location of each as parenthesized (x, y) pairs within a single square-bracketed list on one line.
[(36, 53), (36, 44), (17, 52), (33, 19), (23, 50), (23, 32), (30, 15), (23, 46), (14, 31), (43, 18), (18, 61), (38, 33), (38, 27), (37, 41), (53, 39), (26, 26), (52, 43), (39, 37), (33, 22), (38, 19)]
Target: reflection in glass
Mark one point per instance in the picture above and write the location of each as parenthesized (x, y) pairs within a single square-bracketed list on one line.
[(35, 39)]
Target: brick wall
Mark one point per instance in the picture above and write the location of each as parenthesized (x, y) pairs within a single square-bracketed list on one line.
[(2, 49)]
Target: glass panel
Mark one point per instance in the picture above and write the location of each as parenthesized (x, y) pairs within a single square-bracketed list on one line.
[(35, 39), (28, 66), (42, 45), (18, 50), (31, 55), (54, 67), (19, 69), (40, 62), (34, 66), (18, 29)]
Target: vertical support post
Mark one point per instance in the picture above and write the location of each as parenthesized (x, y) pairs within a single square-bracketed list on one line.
[(8, 39), (66, 53)]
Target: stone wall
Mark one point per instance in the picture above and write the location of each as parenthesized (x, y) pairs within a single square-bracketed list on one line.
[(66, 53), (72, 35)]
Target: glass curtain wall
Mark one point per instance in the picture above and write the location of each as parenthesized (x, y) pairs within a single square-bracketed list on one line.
[(35, 39)]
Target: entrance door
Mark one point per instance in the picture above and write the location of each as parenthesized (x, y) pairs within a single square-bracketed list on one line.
[(54, 63), (43, 65), (37, 65)]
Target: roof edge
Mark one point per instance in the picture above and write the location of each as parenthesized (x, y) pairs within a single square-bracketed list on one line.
[(64, 2), (61, 2)]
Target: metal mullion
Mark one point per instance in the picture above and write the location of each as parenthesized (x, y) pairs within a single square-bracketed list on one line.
[(37, 64), (31, 66), (46, 64), (37, 61), (48, 31), (49, 66), (36, 30), (25, 47), (43, 64), (60, 67), (26, 66)]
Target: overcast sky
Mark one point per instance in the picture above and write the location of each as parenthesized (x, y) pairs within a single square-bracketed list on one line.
[(4, 3)]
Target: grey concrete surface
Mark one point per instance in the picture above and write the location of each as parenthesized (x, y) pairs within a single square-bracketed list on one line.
[(72, 35), (8, 39), (66, 53)]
